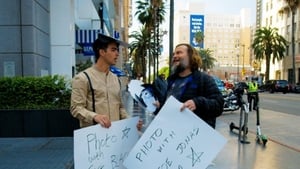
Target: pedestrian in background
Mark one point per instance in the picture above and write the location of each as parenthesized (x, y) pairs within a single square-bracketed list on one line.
[(196, 90), (96, 92), (252, 93)]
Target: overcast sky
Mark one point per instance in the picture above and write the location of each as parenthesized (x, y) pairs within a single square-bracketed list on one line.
[(231, 7), (221, 6)]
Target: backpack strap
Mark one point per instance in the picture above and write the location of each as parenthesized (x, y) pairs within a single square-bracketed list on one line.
[(92, 90)]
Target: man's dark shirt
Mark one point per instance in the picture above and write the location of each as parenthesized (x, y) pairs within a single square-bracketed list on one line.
[(202, 89)]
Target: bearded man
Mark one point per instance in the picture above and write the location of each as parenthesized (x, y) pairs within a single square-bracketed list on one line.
[(195, 89)]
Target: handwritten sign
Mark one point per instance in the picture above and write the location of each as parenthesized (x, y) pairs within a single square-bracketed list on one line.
[(96, 147), (175, 140)]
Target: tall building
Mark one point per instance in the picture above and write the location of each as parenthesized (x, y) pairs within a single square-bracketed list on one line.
[(277, 13), (227, 36), (25, 38), (258, 13), (47, 37)]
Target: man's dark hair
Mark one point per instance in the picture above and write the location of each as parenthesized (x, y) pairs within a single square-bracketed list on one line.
[(195, 58), (102, 43)]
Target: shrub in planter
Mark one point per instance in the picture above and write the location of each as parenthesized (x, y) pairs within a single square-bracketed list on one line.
[(38, 105), (47, 92)]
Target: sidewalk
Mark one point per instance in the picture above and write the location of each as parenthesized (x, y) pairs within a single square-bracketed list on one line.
[(282, 151)]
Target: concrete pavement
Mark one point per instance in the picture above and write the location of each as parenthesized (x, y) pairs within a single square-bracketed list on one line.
[(282, 151)]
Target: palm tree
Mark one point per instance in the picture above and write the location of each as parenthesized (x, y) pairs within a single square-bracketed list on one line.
[(138, 50), (146, 12), (151, 14), (199, 36), (268, 44), (207, 59)]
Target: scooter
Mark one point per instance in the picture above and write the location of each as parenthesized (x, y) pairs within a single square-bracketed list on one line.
[(239, 91), (231, 102), (260, 138)]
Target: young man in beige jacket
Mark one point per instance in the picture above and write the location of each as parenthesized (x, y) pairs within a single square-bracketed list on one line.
[(96, 92)]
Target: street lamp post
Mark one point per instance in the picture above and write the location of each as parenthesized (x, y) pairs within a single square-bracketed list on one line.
[(171, 32), (243, 59), (238, 67)]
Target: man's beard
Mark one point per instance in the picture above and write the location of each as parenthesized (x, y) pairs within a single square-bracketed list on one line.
[(176, 69)]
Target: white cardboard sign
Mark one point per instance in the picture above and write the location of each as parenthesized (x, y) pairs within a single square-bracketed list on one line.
[(175, 140), (96, 147)]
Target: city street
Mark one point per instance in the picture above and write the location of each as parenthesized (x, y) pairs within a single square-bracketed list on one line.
[(285, 103)]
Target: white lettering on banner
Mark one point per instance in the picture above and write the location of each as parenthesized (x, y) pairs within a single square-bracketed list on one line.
[(87, 48), (197, 19), (96, 147), (175, 140)]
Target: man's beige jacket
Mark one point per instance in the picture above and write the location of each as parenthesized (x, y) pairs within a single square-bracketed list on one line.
[(107, 91)]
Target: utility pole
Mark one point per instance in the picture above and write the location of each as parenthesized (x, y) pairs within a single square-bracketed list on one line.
[(293, 5), (171, 32), (293, 45), (238, 67), (243, 71)]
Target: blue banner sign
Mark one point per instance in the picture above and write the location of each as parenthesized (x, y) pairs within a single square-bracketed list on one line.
[(196, 25)]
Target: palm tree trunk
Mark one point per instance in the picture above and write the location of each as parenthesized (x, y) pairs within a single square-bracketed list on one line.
[(267, 74)]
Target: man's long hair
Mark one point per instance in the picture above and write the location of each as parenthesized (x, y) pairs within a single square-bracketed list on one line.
[(194, 57)]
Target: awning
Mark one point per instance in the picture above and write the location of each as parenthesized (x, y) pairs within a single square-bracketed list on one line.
[(86, 36)]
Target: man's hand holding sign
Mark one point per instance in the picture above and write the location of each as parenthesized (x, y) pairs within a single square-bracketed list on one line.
[(170, 143)]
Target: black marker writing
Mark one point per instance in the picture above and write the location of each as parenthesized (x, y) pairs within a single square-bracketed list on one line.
[(148, 145), (125, 132), (94, 167), (183, 145), (195, 157), (95, 156), (117, 160), (95, 143), (166, 165), (166, 141)]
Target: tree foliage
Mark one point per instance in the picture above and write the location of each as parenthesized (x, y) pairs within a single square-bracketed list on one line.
[(268, 45), (207, 59), (150, 14)]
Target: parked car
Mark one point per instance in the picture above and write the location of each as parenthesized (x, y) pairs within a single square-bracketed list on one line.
[(276, 86), (220, 85), (295, 88)]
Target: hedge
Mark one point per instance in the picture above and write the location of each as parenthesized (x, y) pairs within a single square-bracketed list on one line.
[(47, 92)]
